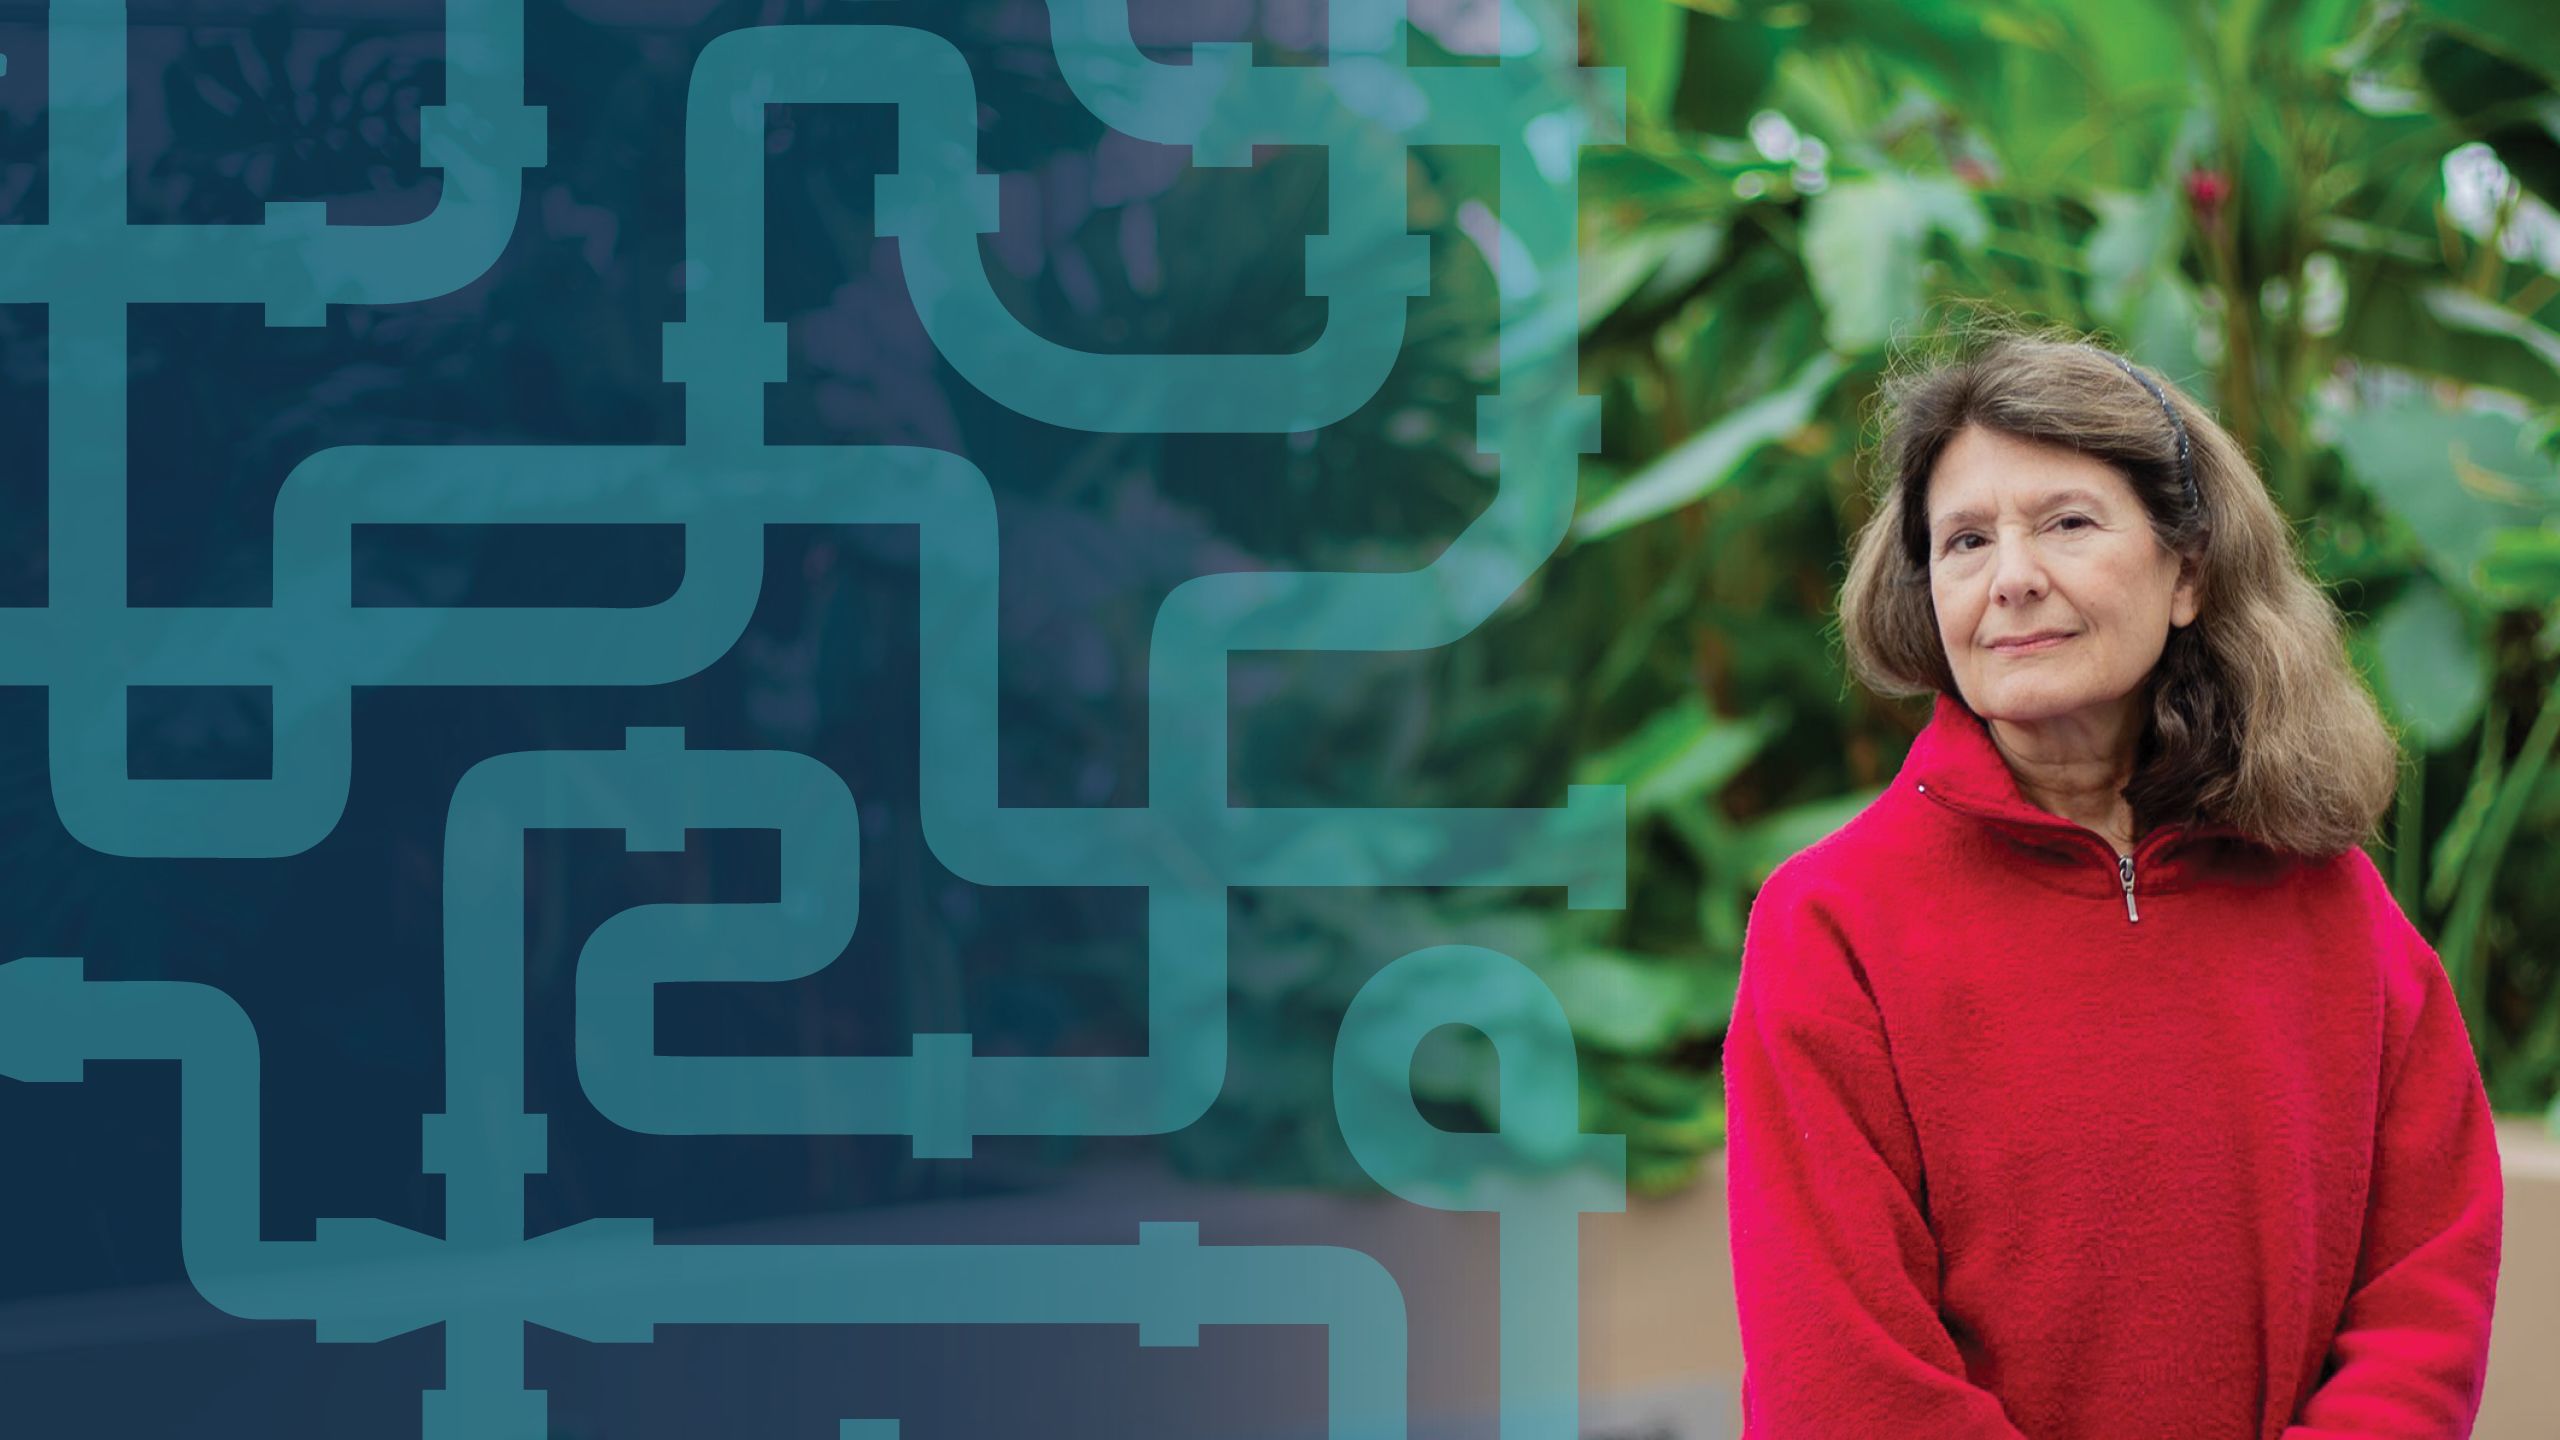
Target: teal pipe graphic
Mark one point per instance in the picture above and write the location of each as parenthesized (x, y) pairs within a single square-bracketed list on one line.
[(609, 1280), (53, 1021), (310, 644), (1221, 104), (1538, 1171), (296, 264), (937, 204)]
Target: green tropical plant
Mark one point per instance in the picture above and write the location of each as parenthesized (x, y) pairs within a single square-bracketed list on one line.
[(2327, 218)]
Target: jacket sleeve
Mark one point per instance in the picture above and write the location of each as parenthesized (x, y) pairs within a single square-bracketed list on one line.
[(1835, 1267), (2412, 1346)]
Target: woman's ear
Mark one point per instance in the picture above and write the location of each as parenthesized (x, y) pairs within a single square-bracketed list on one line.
[(2182, 601)]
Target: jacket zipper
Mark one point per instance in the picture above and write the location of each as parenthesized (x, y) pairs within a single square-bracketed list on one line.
[(2124, 863)]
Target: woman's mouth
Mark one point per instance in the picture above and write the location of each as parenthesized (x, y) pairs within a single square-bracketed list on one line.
[(2028, 647)]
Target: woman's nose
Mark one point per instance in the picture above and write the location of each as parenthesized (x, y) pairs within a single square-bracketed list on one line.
[(2017, 573)]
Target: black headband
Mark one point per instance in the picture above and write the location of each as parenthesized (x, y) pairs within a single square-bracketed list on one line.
[(2186, 466)]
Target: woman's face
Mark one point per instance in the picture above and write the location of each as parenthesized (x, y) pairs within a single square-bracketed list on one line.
[(2026, 538)]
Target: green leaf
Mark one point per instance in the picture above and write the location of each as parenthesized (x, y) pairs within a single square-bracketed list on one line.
[(2406, 316), (1633, 1003), (1645, 266), (1865, 240), (2167, 332), (2519, 29), (2453, 847), (2132, 237), (1659, 186), (1941, 42), (2498, 102), (1725, 71), (1681, 753), (2433, 676), (2455, 477), (2237, 32), (2324, 26), (1613, 266), (1645, 37), (2522, 569), (1714, 455), (2463, 311), (2142, 63), (1775, 837)]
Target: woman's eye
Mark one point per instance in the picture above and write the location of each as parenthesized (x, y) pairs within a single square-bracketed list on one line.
[(1956, 542)]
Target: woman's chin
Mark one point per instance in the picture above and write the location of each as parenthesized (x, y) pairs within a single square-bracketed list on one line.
[(2028, 704)]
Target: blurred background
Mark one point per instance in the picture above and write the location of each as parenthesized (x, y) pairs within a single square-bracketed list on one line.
[(2331, 221)]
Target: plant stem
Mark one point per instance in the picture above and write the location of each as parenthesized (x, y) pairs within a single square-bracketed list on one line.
[(2047, 228), (2471, 906), (2406, 836)]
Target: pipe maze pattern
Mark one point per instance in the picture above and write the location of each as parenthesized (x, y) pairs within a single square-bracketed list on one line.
[(611, 1281)]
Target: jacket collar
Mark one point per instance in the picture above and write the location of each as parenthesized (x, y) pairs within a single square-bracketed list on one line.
[(1954, 762)]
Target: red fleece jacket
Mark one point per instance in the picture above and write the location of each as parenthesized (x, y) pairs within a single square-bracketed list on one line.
[(2018, 1150)]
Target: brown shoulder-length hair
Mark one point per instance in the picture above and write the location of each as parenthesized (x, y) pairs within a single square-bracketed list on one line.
[(2257, 717)]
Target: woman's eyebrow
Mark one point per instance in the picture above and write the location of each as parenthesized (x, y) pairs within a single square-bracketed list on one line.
[(2053, 501)]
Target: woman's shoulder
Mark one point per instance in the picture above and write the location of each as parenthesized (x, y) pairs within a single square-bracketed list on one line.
[(2371, 904), (1821, 919), (2346, 881), (2346, 906), (1884, 827), (1834, 873)]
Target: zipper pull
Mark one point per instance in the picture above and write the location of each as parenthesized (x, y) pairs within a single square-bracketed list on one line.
[(2124, 873)]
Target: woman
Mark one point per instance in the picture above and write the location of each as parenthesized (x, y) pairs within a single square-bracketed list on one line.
[(2089, 1084)]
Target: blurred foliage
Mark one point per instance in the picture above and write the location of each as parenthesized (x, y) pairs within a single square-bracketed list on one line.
[(2330, 219)]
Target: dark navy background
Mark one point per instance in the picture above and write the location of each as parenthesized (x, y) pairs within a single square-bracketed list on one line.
[(335, 953)]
